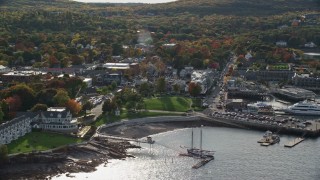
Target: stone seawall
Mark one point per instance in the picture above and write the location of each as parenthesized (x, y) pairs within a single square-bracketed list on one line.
[(159, 119), (271, 127)]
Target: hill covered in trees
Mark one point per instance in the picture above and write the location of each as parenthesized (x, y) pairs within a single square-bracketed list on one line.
[(199, 7)]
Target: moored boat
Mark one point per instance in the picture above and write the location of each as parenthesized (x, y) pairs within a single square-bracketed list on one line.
[(269, 138)]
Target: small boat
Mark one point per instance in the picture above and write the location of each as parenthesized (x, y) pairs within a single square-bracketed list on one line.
[(269, 138)]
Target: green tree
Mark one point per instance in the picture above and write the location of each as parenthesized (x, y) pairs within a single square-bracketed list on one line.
[(176, 88), (39, 107), (3, 154), (87, 106), (113, 85), (109, 105), (117, 49), (1, 115), (145, 89), (161, 85), (61, 98)]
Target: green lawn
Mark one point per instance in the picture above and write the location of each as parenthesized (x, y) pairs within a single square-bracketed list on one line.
[(174, 103), (197, 104), (40, 141), (126, 115)]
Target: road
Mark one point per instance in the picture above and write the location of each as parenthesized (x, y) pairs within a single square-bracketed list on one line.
[(214, 97)]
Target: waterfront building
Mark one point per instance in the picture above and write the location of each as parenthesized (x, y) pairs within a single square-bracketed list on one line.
[(56, 119), (311, 55), (307, 82), (296, 94), (236, 104), (269, 75)]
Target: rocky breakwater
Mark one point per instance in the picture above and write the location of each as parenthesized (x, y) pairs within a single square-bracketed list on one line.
[(69, 159)]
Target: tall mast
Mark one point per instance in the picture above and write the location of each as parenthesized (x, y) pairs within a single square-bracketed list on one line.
[(192, 139), (201, 141)]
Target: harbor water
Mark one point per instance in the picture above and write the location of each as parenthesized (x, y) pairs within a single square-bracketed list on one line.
[(237, 156)]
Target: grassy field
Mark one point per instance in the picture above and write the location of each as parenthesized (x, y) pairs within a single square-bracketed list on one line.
[(126, 115), (40, 141), (174, 103)]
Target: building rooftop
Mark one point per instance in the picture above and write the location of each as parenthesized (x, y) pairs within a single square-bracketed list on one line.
[(56, 109)]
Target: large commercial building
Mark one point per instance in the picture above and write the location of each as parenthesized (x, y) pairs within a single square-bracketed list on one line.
[(296, 94), (306, 82)]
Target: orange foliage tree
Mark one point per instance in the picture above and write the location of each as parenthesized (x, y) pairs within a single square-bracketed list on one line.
[(73, 106), (14, 103)]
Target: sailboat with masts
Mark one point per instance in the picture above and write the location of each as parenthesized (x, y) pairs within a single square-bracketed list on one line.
[(199, 153)]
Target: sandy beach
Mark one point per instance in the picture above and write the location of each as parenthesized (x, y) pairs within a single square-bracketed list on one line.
[(146, 129)]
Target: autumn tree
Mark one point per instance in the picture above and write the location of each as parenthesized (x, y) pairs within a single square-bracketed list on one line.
[(194, 89), (14, 103), (73, 106), (25, 93)]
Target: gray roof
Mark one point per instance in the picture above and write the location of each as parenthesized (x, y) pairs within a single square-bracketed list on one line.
[(12, 122), (54, 114)]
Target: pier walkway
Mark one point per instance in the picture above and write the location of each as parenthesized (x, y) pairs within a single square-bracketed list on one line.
[(294, 142), (147, 140)]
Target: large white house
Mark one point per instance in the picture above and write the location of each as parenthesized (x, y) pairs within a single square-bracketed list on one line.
[(54, 119)]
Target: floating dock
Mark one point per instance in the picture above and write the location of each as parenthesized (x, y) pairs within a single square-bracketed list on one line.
[(294, 142), (202, 162)]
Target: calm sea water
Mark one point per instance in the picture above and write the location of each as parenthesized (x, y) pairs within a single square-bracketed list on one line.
[(238, 156), (126, 1)]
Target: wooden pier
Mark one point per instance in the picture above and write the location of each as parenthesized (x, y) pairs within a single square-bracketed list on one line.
[(148, 140), (202, 162), (294, 142)]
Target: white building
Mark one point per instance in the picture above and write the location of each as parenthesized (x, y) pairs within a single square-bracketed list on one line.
[(88, 82), (4, 69), (310, 45), (56, 119), (248, 56), (281, 43), (15, 128), (203, 78)]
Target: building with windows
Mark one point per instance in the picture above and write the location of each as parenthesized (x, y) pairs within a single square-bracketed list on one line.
[(22, 76), (307, 82), (54, 119), (15, 128)]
